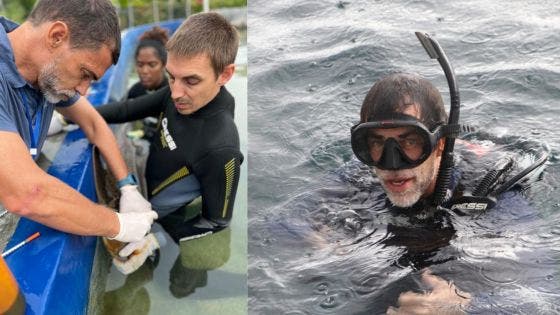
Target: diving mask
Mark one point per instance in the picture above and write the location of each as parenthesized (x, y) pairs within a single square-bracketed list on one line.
[(394, 144)]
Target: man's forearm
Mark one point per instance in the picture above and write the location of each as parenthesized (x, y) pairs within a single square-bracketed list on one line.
[(106, 142), (28, 191), (49, 201), (98, 132)]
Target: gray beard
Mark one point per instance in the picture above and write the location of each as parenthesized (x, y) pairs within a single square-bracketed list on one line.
[(47, 82), (424, 175), (56, 98)]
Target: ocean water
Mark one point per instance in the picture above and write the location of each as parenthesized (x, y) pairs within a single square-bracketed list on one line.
[(321, 240)]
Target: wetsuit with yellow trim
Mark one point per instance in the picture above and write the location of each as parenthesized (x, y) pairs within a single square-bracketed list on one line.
[(191, 155)]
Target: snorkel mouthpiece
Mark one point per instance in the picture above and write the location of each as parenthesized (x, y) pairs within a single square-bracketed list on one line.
[(435, 51)]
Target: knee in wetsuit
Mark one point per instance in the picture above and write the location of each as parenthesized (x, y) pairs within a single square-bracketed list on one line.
[(188, 222)]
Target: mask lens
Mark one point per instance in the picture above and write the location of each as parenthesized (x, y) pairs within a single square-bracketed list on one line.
[(375, 145), (413, 145)]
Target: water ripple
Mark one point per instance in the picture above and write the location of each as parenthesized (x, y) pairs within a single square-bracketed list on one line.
[(534, 79), (331, 155), (535, 46), (415, 6), (476, 38), (302, 9), (330, 302), (502, 271), (367, 283)]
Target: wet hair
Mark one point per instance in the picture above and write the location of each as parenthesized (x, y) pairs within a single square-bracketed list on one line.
[(156, 38), (394, 93), (91, 23), (206, 33)]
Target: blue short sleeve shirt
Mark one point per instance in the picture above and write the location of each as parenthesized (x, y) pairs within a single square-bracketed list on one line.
[(23, 109)]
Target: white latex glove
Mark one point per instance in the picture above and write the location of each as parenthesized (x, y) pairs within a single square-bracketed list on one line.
[(134, 225), (132, 200), (138, 252)]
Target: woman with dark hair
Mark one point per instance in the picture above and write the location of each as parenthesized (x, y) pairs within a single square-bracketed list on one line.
[(150, 57)]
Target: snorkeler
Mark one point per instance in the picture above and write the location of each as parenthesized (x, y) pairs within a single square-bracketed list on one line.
[(400, 137), (405, 135)]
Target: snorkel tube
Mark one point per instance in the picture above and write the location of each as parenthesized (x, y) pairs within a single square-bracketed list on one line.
[(435, 51)]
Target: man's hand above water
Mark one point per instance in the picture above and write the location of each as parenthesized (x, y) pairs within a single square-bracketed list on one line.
[(444, 298)]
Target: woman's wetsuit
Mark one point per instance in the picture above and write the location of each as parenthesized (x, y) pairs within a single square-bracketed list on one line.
[(190, 156)]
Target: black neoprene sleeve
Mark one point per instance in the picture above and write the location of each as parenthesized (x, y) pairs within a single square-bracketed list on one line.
[(134, 109)]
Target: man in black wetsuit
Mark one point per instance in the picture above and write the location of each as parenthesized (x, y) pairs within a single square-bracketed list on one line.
[(196, 148), (402, 156), (401, 135), (405, 136)]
